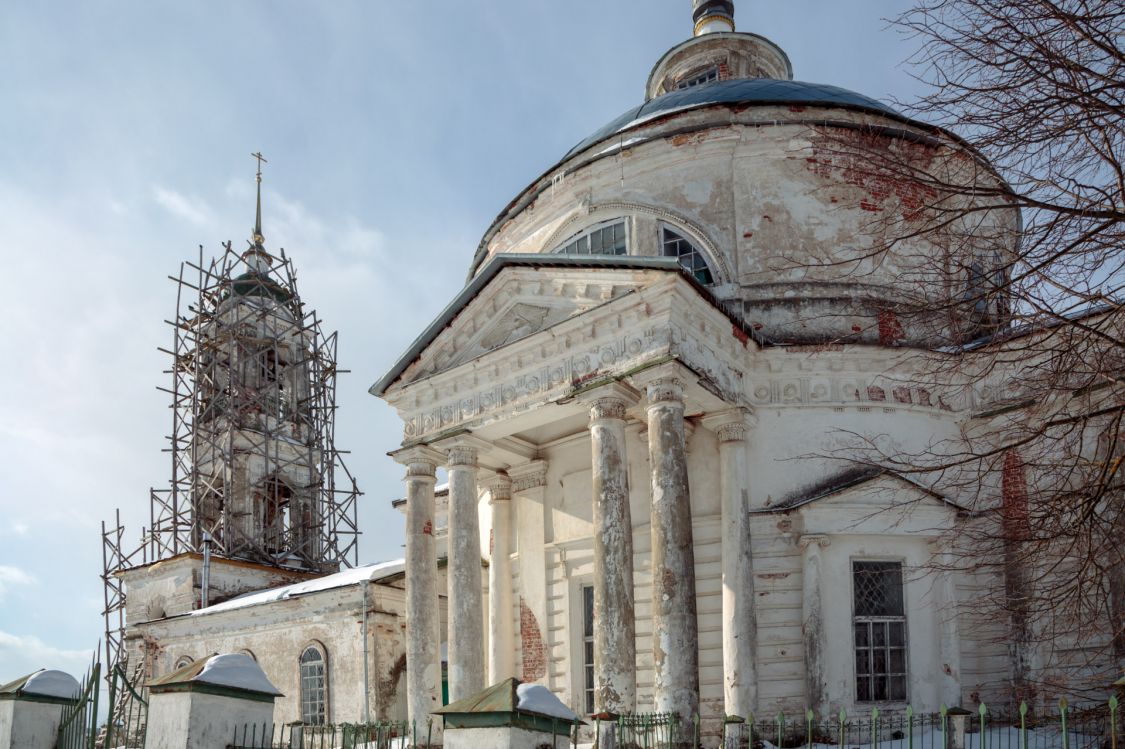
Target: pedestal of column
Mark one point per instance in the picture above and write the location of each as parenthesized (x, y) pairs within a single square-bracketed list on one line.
[(615, 649), (675, 635), (423, 625), (501, 648), (740, 681), (466, 609)]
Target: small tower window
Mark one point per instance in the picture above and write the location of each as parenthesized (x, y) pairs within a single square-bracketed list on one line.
[(691, 259), (314, 686), (607, 239), (588, 648), (700, 78)]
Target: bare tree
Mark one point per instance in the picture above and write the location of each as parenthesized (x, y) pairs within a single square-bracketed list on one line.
[(1016, 210)]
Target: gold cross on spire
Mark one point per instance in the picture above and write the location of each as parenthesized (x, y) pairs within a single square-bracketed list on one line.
[(259, 240), (261, 160)]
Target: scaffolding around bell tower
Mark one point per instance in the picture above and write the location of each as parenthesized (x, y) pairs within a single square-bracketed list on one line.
[(256, 477)]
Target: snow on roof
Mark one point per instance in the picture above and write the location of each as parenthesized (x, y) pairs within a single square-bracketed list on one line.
[(236, 670), (52, 683), (536, 698), (353, 576)]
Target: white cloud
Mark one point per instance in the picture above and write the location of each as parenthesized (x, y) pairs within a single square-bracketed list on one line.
[(10, 576), (22, 654), (191, 209)]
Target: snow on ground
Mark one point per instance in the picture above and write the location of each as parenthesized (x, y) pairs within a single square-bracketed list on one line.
[(236, 670), (369, 572), (536, 698), (52, 683)]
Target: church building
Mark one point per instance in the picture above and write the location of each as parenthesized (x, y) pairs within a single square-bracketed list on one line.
[(642, 394)]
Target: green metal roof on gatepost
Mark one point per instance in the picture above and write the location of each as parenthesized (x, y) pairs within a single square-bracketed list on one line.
[(498, 706)]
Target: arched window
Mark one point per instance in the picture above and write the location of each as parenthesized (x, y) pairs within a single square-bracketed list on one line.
[(184, 660), (250, 653), (275, 496), (314, 685), (691, 259), (603, 239)]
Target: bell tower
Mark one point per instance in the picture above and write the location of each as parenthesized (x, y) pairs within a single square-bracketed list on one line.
[(258, 495)]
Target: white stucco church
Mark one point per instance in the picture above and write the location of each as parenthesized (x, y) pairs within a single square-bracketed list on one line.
[(643, 398), (642, 393)]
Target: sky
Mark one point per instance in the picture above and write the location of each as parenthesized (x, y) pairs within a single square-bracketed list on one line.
[(395, 133)]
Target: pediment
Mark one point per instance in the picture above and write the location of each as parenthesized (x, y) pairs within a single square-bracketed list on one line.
[(872, 502), (518, 302)]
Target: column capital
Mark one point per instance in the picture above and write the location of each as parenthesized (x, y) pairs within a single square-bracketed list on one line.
[(462, 449), (731, 425), (665, 390), (809, 539), (420, 460), (528, 476), (499, 487), (610, 401)]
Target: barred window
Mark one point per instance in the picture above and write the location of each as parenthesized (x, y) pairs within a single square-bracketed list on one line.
[(314, 686), (691, 259), (588, 648), (607, 239), (880, 632)]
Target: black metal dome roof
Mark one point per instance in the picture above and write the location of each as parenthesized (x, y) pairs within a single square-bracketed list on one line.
[(738, 91)]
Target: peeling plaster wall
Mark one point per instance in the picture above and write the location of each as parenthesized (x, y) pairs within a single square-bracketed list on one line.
[(277, 633), (777, 198)]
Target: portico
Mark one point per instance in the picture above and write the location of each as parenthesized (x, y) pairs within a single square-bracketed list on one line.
[(580, 461)]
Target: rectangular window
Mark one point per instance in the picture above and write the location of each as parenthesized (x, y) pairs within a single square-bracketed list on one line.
[(880, 632), (604, 240), (699, 79), (588, 648)]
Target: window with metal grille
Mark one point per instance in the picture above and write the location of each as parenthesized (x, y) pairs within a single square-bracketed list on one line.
[(880, 632), (314, 686), (691, 259), (588, 648), (710, 75), (606, 239)]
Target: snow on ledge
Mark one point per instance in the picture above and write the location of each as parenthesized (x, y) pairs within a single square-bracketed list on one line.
[(366, 573), (236, 670), (52, 683), (536, 698)]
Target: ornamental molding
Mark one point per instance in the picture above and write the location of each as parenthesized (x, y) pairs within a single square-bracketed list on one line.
[(661, 320), (808, 539), (733, 432), (462, 456)]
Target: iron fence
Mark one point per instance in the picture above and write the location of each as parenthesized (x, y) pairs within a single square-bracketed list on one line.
[(1062, 727)]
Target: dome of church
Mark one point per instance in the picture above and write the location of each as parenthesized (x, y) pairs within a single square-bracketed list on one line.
[(806, 209)]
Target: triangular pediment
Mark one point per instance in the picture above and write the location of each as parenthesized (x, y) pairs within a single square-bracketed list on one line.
[(871, 501), (520, 298)]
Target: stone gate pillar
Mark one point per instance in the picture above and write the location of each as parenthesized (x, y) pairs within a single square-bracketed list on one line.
[(615, 648), (423, 625), (675, 636)]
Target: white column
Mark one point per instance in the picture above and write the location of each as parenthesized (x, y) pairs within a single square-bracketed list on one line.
[(501, 648), (675, 629), (466, 609), (812, 621), (740, 681), (423, 625), (615, 647)]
